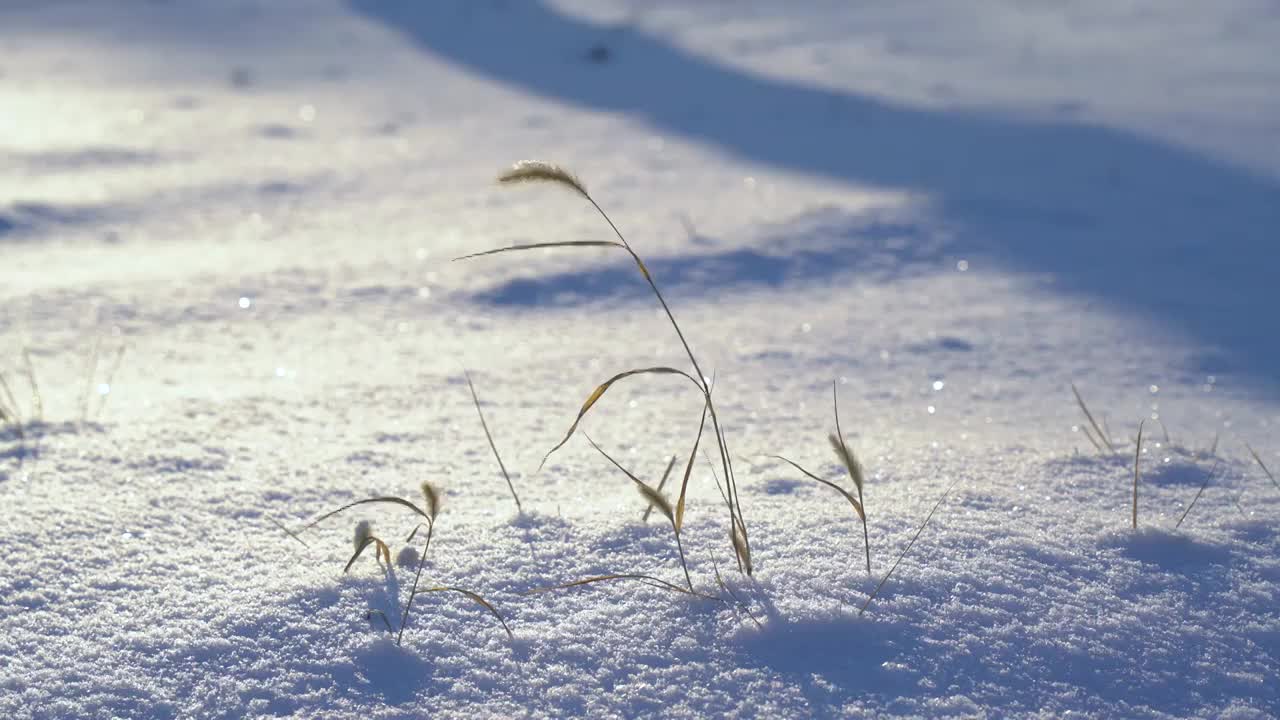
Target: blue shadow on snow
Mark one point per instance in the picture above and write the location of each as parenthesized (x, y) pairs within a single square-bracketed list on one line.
[(1140, 224)]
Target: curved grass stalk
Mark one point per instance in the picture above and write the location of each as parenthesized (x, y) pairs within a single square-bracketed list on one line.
[(537, 171), (366, 501), (646, 579), (432, 497)]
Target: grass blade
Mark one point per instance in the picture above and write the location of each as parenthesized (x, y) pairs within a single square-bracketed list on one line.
[(647, 579), (857, 506), (287, 531), (657, 499), (535, 246), (1262, 465), (348, 506), (688, 468), (476, 597), (476, 399), (1088, 415), (37, 398), (661, 484), (1097, 445), (602, 389), (907, 549), (417, 576)]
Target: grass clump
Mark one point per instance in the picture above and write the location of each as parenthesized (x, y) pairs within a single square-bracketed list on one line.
[(543, 172), (656, 499), (364, 538)]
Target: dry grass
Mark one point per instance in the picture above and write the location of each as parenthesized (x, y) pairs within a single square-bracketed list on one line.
[(655, 498), (364, 538), (852, 467), (1102, 439), (544, 172), (489, 436), (906, 550), (1263, 465), (661, 485)]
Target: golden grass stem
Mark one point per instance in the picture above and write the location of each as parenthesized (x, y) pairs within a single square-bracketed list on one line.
[(688, 469), (474, 596), (647, 579), (661, 484), (287, 531), (348, 506)]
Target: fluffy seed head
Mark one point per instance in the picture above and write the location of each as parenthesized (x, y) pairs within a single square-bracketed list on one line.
[(539, 171), (848, 459), (432, 498), (364, 531)]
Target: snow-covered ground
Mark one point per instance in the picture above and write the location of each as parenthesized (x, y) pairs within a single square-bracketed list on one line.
[(953, 210)]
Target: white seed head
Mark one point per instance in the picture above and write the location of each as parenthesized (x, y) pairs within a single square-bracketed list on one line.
[(364, 531)]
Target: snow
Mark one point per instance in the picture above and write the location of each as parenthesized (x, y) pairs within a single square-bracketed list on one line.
[(953, 211)]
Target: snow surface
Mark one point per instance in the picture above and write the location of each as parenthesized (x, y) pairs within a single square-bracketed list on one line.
[(954, 210)]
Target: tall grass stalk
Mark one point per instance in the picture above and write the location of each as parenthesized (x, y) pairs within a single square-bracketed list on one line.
[(432, 498), (661, 485), (538, 172), (852, 467)]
